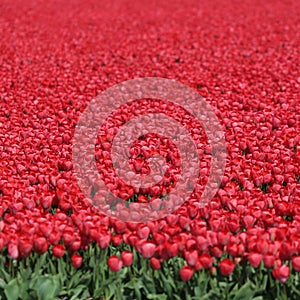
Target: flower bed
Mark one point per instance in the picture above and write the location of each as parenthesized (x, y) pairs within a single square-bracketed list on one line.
[(55, 58)]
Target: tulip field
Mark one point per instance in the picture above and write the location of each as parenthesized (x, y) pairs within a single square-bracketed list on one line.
[(58, 242)]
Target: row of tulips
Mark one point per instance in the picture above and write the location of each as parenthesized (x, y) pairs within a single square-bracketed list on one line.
[(56, 274), (254, 216)]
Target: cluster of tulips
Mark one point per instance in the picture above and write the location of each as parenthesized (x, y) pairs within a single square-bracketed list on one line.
[(254, 218)]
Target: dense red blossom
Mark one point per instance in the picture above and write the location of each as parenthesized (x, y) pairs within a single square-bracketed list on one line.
[(242, 58)]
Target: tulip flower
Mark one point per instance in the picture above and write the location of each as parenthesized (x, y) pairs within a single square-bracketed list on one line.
[(114, 263)]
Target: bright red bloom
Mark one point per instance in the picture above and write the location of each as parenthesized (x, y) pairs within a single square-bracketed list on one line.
[(117, 240), (40, 245), (269, 260), (158, 238), (76, 260), (58, 250), (68, 237), (254, 216), (75, 246), (155, 263), (216, 252), (281, 273), (148, 249), (226, 267), (191, 257), (296, 263), (2, 243), (206, 260), (103, 240), (254, 259), (54, 237), (143, 232), (13, 251), (249, 221), (119, 226), (127, 258), (25, 247), (172, 249), (186, 273), (114, 263)]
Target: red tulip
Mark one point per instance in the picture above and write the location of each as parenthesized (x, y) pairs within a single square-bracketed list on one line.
[(46, 202), (58, 251), (202, 243), (281, 273), (148, 249), (103, 240), (114, 263), (226, 267), (286, 250), (13, 251), (184, 222), (40, 245), (75, 246), (296, 263), (269, 260), (54, 237), (249, 221), (172, 249), (223, 238), (117, 240), (76, 260), (262, 246), (143, 232), (254, 259), (158, 238), (186, 273), (127, 258), (232, 249), (206, 260), (2, 243), (25, 247), (68, 237), (191, 257), (45, 229), (155, 263), (216, 251), (119, 226)]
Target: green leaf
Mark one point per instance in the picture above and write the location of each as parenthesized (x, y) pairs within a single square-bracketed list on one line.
[(157, 297), (6, 276), (40, 263), (24, 287), (166, 284), (12, 290), (77, 291), (246, 292), (74, 280), (197, 291), (137, 290), (2, 284), (46, 287)]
